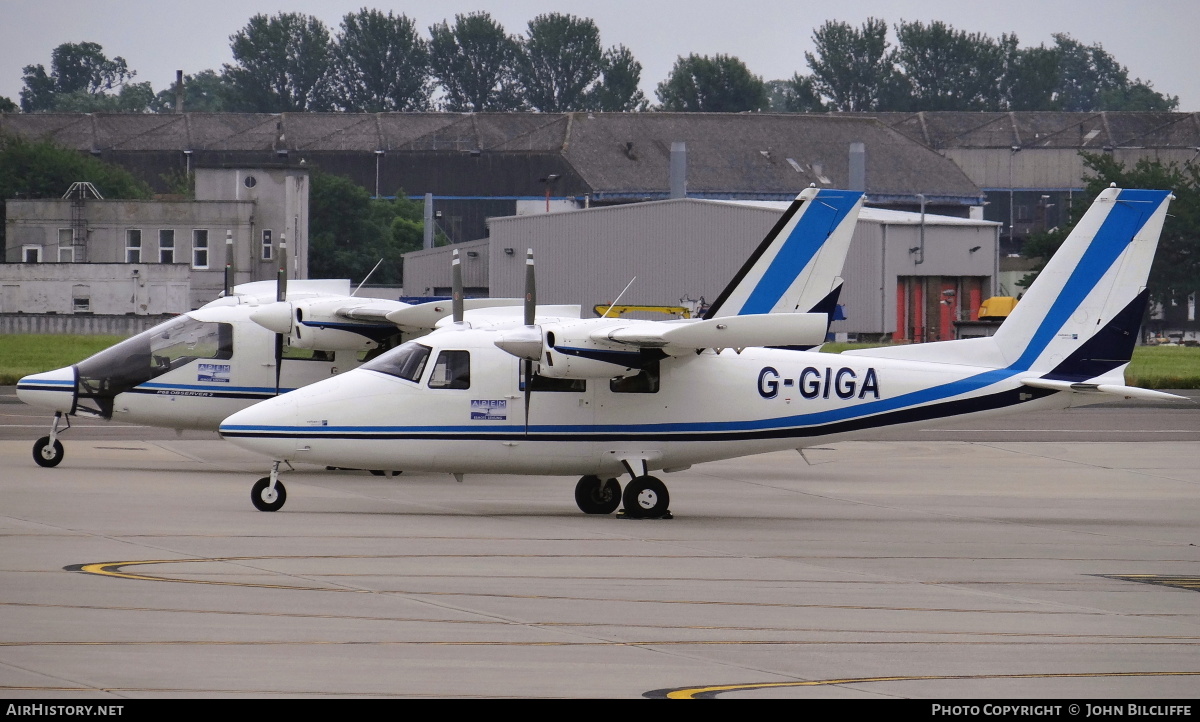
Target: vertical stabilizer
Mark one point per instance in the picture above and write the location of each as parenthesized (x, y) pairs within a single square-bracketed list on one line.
[(1080, 317), (797, 266)]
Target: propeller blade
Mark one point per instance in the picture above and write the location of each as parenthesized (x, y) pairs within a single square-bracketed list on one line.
[(280, 295), (528, 389), (457, 290), (278, 359), (530, 290)]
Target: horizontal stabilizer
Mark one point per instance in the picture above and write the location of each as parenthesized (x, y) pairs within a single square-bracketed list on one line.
[(766, 329), (426, 315), (1129, 392)]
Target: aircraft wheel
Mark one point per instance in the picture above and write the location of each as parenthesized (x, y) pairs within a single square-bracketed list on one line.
[(646, 498), (47, 454), (597, 497), (266, 499)]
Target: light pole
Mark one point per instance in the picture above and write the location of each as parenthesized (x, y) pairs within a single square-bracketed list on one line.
[(1012, 232), (378, 155), (548, 180)]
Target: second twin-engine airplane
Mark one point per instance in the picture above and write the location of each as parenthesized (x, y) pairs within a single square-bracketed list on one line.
[(192, 371), (605, 397)]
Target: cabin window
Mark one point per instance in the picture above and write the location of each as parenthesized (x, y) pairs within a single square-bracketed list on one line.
[(645, 382), (406, 361), (452, 371)]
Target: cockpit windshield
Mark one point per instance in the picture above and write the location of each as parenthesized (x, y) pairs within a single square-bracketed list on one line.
[(406, 361), (152, 353)]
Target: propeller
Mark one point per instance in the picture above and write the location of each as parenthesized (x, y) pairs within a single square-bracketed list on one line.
[(457, 291), (530, 317), (280, 295)]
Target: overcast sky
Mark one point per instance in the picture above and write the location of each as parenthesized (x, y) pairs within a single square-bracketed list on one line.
[(1155, 39)]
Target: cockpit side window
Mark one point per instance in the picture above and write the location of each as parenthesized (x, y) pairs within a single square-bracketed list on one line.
[(173, 347), (406, 361), (451, 371)]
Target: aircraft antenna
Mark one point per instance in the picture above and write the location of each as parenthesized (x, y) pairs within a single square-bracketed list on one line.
[(622, 293), (364, 281)]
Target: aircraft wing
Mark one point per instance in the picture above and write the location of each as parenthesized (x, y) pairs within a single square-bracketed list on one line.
[(765, 329), (427, 315)]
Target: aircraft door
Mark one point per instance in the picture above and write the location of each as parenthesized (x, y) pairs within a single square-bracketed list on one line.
[(558, 402)]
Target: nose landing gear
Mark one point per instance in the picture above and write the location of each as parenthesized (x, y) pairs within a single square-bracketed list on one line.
[(48, 450)]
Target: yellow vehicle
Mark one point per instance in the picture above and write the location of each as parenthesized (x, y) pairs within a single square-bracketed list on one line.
[(996, 308), (621, 309)]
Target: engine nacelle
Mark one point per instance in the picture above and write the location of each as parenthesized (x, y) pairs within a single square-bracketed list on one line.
[(319, 323), (569, 353)]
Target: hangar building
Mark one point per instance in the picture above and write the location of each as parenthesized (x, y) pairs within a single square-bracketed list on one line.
[(903, 278)]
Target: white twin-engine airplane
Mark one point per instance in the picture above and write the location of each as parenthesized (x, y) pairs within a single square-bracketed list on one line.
[(196, 369), (605, 397)]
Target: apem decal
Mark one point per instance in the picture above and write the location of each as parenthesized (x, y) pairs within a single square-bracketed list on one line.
[(217, 373), (489, 409)]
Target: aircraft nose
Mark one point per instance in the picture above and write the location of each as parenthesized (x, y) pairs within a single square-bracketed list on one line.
[(54, 390), (264, 427)]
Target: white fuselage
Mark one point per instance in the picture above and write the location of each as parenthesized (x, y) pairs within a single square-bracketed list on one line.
[(708, 406)]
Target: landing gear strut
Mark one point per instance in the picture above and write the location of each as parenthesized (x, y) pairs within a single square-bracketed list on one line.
[(268, 493), (48, 450), (597, 497)]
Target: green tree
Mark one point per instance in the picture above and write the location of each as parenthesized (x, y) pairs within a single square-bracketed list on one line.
[(7, 106), (77, 69), (40, 169), (948, 69), (558, 61), (204, 92), (350, 232), (795, 95), (1176, 270), (381, 63), (617, 91), (474, 61), (1090, 78), (854, 68), (282, 64), (1030, 77), (721, 84)]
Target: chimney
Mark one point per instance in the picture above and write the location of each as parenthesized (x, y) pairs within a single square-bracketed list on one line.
[(678, 169), (178, 91), (858, 167)]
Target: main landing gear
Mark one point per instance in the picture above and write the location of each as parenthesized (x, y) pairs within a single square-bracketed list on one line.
[(48, 450), (645, 497), (268, 493), (598, 497)]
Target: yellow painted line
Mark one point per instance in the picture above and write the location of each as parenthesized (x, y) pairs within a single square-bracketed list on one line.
[(713, 691), (114, 569)]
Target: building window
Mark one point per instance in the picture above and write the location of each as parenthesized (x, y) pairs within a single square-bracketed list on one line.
[(166, 246), (133, 246), (200, 248), (66, 254), (31, 254), (65, 237), (266, 244)]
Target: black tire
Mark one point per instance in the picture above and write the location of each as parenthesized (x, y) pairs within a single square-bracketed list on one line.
[(260, 495), (596, 497), (646, 498), (45, 454)]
